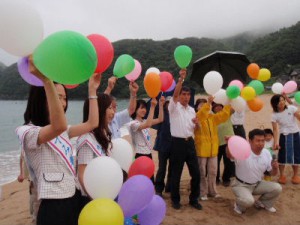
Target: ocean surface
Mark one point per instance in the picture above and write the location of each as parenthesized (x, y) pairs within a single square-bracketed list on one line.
[(11, 116)]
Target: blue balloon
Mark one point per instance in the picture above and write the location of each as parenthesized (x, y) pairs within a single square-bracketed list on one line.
[(128, 221)]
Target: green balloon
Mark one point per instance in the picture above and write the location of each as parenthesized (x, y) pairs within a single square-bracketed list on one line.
[(124, 65), (258, 86), (233, 91), (66, 57), (183, 56), (297, 97)]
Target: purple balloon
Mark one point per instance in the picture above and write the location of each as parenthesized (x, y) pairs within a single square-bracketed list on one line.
[(154, 213), (23, 68), (172, 86), (135, 194)]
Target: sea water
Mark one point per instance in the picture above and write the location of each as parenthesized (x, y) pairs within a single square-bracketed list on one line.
[(11, 116)]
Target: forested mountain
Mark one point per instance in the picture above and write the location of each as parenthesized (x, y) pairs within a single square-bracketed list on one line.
[(278, 51)]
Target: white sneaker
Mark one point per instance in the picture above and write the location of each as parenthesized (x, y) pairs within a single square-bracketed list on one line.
[(204, 198), (237, 209), (258, 204), (271, 210)]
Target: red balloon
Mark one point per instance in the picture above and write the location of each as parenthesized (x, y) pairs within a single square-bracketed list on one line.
[(166, 80), (105, 51), (142, 166), (71, 86)]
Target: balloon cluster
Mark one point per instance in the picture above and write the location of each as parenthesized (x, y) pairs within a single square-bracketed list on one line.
[(103, 180)]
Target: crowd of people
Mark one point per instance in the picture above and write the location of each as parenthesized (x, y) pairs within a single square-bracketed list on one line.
[(195, 135)]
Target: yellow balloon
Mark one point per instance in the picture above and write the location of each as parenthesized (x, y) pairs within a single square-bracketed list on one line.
[(101, 211), (264, 74), (248, 93)]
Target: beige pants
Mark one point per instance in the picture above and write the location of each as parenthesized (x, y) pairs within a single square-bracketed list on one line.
[(269, 192), (208, 173)]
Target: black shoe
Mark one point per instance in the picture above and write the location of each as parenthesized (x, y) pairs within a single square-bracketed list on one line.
[(196, 205), (159, 193), (226, 183), (167, 189), (176, 205)]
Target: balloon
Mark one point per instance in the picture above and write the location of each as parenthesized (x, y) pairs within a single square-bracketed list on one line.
[(255, 104), (142, 166), (152, 84), (101, 211), (154, 213), (71, 86), (103, 178), (221, 97), (289, 87), (135, 194), (21, 27), (166, 80), (66, 57), (104, 50), (258, 86), (253, 70), (264, 74), (153, 70), (23, 68), (239, 147), (237, 83), (122, 152), (183, 56), (277, 88), (212, 82), (297, 97), (135, 73), (238, 104), (232, 91), (173, 85), (248, 93), (124, 65)]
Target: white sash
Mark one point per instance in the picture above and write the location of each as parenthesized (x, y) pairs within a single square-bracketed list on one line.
[(91, 141), (60, 145), (147, 136)]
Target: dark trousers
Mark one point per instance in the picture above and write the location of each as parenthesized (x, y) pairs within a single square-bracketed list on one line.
[(184, 151), (229, 166), (59, 211), (147, 155), (163, 158), (239, 130)]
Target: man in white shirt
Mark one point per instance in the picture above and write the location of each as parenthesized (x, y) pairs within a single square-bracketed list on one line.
[(249, 176), (182, 124)]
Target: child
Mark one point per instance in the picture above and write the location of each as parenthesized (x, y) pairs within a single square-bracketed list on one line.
[(269, 143)]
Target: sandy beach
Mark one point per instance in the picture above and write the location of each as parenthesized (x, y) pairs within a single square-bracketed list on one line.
[(14, 205)]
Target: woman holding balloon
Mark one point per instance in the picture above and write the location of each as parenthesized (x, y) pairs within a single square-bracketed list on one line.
[(286, 136), (45, 138)]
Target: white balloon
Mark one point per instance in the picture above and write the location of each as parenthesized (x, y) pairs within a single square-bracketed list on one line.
[(153, 70), (212, 82), (277, 88), (221, 97), (238, 104), (122, 152), (103, 178), (21, 27)]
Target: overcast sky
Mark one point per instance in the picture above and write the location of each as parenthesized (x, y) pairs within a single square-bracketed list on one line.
[(163, 19)]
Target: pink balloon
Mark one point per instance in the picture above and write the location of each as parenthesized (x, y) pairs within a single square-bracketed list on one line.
[(166, 80), (172, 86), (239, 147), (289, 87), (237, 83), (135, 73), (23, 68)]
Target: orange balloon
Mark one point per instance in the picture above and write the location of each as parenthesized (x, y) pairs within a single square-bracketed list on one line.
[(152, 84), (255, 104), (253, 70)]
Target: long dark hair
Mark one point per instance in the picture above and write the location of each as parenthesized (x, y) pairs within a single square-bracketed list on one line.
[(102, 132), (37, 109), (139, 103), (275, 101)]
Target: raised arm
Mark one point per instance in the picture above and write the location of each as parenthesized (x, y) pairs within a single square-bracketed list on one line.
[(57, 119), (161, 111), (133, 88), (178, 87), (149, 120), (93, 119), (111, 82)]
